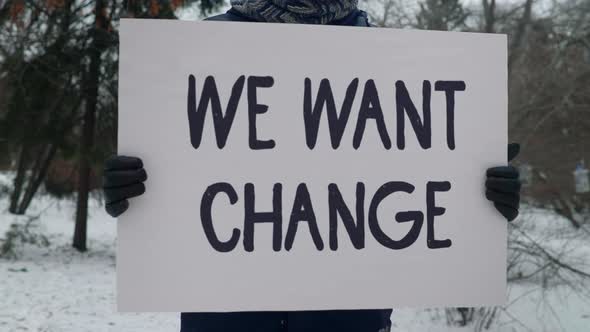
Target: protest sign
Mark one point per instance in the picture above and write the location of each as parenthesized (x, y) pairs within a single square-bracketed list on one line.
[(300, 167)]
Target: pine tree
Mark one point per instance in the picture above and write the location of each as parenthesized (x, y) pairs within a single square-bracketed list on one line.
[(442, 15)]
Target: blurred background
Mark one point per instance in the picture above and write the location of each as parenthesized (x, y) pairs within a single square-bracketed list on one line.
[(58, 121)]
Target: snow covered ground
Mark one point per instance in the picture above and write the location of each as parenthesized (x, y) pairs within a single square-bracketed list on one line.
[(55, 288)]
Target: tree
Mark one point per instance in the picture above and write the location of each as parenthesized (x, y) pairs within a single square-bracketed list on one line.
[(59, 62), (443, 15), (99, 37), (390, 13), (102, 36), (40, 66)]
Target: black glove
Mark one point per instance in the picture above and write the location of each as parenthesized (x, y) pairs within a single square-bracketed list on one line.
[(123, 178), (503, 186)]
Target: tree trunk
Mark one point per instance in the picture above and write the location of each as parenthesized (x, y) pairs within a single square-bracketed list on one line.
[(37, 177), (489, 11), (87, 141), (38, 153), (519, 34), (19, 180)]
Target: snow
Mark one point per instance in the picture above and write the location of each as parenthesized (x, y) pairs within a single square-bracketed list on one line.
[(55, 288), (59, 289)]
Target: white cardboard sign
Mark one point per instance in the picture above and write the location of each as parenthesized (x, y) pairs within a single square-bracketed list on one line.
[(299, 167)]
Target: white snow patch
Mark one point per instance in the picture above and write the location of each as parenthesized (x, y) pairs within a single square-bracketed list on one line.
[(59, 289)]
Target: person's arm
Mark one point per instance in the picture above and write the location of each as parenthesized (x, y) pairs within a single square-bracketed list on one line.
[(503, 186), (123, 178)]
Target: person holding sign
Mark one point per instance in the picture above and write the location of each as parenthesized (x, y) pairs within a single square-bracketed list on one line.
[(124, 177)]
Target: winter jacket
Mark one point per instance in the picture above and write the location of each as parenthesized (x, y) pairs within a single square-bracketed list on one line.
[(292, 321)]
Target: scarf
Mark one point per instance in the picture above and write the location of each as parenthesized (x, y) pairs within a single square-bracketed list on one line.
[(295, 11)]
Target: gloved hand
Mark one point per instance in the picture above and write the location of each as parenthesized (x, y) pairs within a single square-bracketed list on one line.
[(503, 186), (123, 178)]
